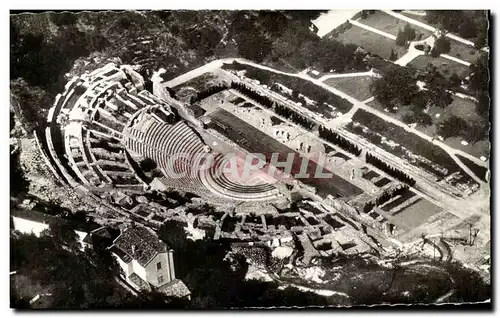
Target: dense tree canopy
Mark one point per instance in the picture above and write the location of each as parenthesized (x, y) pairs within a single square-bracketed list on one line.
[(405, 35)]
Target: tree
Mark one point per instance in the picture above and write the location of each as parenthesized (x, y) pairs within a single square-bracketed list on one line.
[(18, 182), (205, 40), (401, 38), (74, 281), (64, 18), (423, 119), (274, 22), (409, 118), (28, 103), (467, 29), (481, 40), (282, 48), (479, 78), (477, 131)]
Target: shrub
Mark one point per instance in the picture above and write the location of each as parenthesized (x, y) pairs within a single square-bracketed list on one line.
[(442, 45), (420, 47)]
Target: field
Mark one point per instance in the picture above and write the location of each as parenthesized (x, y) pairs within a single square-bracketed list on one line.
[(417, 213), (370, 41), (387, 23), (357, 87), (416, 17), (444, 66)]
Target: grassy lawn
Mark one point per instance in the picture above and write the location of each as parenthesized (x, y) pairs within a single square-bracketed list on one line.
[(398, 114), (463, 51), (282, 65), (416, 17), (444, 66), (370, 41), (387, 23), (26, 288), (357, 87)]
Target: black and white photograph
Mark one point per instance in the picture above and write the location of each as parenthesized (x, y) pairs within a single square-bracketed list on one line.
[(249, 159)]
